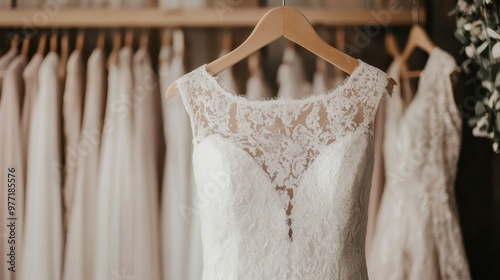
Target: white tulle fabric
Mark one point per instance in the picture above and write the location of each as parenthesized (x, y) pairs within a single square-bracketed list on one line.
[(417, 234), (254, 160)]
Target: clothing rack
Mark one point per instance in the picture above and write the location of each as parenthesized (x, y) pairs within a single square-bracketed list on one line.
[(208, 17)]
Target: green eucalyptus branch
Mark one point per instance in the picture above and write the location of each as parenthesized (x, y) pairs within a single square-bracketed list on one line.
[(478, 30)]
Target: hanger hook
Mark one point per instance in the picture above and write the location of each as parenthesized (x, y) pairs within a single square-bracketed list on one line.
[(415, 11)]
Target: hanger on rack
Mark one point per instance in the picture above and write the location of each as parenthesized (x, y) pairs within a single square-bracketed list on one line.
[(53, 41), (14, 42), (117, 44), (80, 40), (391, 45), (64, 55), (101, 40), (340, 44), (227, 40), (282, 22), (129, 38), (166, 38), (144, 40), (26, 47), (417, 38), (42, 42)]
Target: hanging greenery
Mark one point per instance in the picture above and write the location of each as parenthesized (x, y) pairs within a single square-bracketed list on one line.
[(478, 30)]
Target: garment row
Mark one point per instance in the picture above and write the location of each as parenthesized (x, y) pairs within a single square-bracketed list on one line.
[(89, 158)]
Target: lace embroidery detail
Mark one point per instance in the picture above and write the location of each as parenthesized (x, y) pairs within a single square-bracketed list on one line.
[(284, 136)]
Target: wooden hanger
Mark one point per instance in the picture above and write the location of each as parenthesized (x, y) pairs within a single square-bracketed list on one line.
[(282, 22), (144, 41), (391, 45), (41, 44), (14, 42), (166, 39), (53, 42), (26, 47), (64, 56), (101, 40), (227, 40), (417, 38), (117, 44), (129, 38), (340, 44), (80, 40)]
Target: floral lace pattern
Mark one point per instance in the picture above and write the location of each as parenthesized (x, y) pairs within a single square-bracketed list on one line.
[(283, 183)]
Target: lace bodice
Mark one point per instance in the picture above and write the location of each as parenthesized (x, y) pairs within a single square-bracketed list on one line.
[(283, 183)]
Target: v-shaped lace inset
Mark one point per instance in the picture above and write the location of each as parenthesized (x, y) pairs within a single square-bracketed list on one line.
[(283, 136)]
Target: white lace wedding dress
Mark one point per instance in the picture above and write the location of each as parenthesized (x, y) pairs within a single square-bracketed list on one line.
[(283, 184), (417, 234)]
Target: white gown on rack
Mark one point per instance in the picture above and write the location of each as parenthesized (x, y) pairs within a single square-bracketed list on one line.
[(43, 234), (72, 112), (181, 236), (417, 235), (147, 153), (81, 234), (12, 156), (4, 63), (114, 256), (30, 76), (253, 160)]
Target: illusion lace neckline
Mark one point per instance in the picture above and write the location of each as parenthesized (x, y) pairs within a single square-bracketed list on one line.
[(310, 98)]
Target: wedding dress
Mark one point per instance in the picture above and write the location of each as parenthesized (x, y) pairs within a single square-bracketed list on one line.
[(147, 155), (114, 251), (181, 237), (283, 184), (417, 234), (43, 234), (81, 234), (72, 110), (30, 76), (5, 60), (12, 152)]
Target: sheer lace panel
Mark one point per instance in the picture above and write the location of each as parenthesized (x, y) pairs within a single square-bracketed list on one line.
[(284, 136)]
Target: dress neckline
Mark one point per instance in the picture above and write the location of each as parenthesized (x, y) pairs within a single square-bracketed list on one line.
[(310, 98)]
